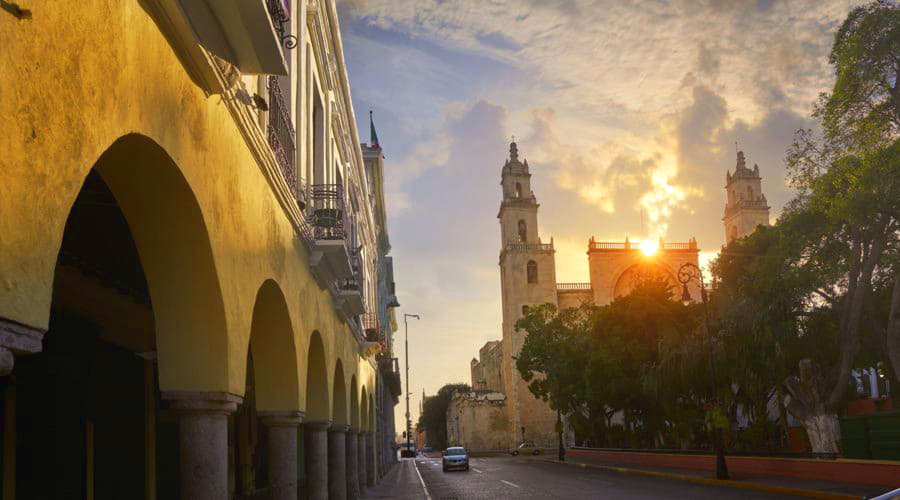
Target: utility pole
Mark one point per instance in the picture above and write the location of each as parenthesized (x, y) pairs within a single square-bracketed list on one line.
[(406, 345), (686, 273)]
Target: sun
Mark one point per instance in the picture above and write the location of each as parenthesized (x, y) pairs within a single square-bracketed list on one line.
[(649, 247)]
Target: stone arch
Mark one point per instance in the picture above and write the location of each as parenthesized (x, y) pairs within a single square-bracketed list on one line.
[(371, 413), (274, 353), (317, 393), (364, 410), (626, 280), (339, 412), (173, 244), (354, 403), (523, 231)]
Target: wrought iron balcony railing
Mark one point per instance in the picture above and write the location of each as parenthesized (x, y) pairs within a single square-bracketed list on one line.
[(281, 134), (327, 214), (372, 328)]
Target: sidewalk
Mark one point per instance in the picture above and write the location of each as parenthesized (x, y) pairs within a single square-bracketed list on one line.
[(402, 481), (770, 484)]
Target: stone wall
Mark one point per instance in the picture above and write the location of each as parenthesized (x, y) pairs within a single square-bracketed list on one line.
[(477, 420), (487, 373), (574, 298)]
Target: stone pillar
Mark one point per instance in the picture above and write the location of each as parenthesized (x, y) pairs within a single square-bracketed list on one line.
[(361, 460), (282, 448), (337, 462), (316, 441), (203, 442), (352, 455), (370, 459)]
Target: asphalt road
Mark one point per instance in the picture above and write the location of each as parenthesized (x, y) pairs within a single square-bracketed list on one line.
[(524, 477)]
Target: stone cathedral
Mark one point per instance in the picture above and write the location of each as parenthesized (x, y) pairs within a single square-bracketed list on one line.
[(501, 412)]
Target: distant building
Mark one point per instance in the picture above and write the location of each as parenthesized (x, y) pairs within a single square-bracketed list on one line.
[(747, 207), (478, 421), (527, 278)]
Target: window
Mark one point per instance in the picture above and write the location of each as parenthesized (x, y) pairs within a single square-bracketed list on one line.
[(524, 309), (531, 270), (749, 193), (523, 232), (518, 190)]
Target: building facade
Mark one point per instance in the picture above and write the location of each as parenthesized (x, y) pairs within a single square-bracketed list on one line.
[(191, 248), (382, 324), (528, 277)]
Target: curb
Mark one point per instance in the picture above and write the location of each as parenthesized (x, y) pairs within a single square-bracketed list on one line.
[(741, 485)]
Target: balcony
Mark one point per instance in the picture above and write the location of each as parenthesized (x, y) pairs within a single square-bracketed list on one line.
[(328, 221), (390, 370), (281, 134), (392, 295), (529, 247), (350, 289), (566, 287), (374, 342), (632, 246), (372, 328)]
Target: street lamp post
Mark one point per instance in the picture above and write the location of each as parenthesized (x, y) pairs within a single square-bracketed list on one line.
[(406, 345), (686, 273)]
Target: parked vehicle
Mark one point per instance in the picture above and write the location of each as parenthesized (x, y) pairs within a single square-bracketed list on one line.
[(455, 457), (407, 451), (526, 447)]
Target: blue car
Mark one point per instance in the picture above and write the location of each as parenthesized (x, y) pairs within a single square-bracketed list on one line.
[(456, 458)]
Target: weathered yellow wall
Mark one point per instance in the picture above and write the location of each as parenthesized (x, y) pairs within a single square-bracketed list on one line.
[(73, 80)]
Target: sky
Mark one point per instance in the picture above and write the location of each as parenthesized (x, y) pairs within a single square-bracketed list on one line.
[(628, 112)]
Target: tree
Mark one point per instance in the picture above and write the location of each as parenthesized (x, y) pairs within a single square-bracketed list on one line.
[(592, 362), (434, 415), (848, 183), (762, 301)]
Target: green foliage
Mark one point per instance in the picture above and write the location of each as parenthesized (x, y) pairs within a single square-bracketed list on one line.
[(864, 105), (593, 362), (434, 415)]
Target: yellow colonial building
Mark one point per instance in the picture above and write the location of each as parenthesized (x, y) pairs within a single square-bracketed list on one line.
[(193, 297)]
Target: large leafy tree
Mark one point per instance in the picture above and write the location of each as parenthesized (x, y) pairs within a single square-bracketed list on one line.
[(434, 415), (592, 362), (839, 236)]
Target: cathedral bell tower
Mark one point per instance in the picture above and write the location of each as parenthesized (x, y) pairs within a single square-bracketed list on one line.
[(527, 278), (746, 207)]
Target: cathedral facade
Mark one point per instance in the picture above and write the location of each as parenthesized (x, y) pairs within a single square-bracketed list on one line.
[(528, 277)]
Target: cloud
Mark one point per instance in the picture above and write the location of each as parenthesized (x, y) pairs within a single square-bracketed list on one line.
[(628, 116)]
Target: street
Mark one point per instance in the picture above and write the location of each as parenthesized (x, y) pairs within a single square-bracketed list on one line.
[(525, 477)]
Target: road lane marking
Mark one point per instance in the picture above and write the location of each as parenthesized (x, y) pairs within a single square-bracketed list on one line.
[(476, 470), (514, 485), (424, 488)]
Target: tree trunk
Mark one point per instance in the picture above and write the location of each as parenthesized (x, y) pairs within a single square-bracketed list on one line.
[(859, 289), (893, 328), (824, 431), (808, 405)]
